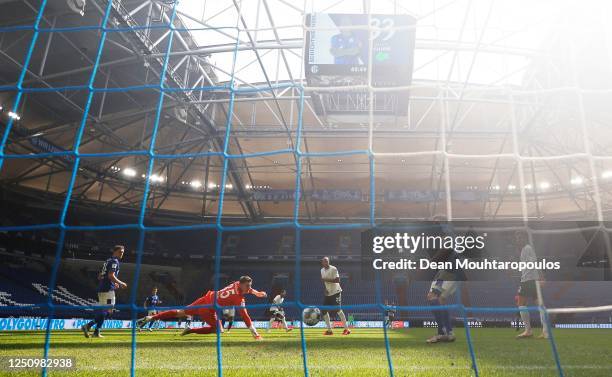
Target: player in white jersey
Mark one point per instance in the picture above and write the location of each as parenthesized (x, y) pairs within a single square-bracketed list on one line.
[(277, 313), (528, 290), (228, 317), (333, 296)]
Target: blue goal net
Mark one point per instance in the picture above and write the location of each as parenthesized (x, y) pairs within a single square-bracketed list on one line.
[(360, 102)]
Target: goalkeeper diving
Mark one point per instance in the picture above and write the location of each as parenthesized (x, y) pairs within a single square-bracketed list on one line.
[(232, 295)]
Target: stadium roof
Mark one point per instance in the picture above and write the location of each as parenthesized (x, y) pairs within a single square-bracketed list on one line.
[(449, 34), (481, 68)]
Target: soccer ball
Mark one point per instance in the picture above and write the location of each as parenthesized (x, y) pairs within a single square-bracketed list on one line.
[(311, 316)]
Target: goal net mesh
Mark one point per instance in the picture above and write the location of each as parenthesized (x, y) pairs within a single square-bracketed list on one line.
[(580, 155)]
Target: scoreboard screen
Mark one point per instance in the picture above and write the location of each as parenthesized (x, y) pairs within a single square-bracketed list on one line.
[(338, 48)]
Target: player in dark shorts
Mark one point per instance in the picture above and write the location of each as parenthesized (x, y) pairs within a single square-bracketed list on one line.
[(389, 314), (527, 289), (277, 313), (228, 317), (443, 286), (150, 305)]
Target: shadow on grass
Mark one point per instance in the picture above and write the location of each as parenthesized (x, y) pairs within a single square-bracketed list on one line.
[(494, 348), (123, 340)]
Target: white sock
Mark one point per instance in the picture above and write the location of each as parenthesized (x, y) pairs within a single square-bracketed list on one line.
[(342, 318), (525, 318), (271, 323), (285, 324), (327, 321), (543, 320)]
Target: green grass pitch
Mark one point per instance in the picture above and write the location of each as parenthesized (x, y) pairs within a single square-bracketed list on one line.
[(163, 353)]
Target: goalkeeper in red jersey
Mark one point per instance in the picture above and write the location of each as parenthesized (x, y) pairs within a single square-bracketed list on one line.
[(232, 295)]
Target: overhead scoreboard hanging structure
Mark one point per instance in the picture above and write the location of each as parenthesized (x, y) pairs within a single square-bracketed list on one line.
[(338, 49)]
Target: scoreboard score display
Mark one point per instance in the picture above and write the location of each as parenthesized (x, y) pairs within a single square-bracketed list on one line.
[(340, 48)]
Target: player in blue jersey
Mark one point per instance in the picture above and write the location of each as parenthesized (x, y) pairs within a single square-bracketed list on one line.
[(443, 286), (345, 46), (389, 314), (108, 281), (150, 305)]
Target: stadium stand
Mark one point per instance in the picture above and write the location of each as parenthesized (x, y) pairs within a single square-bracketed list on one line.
[(6, 300), (270, 253)]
